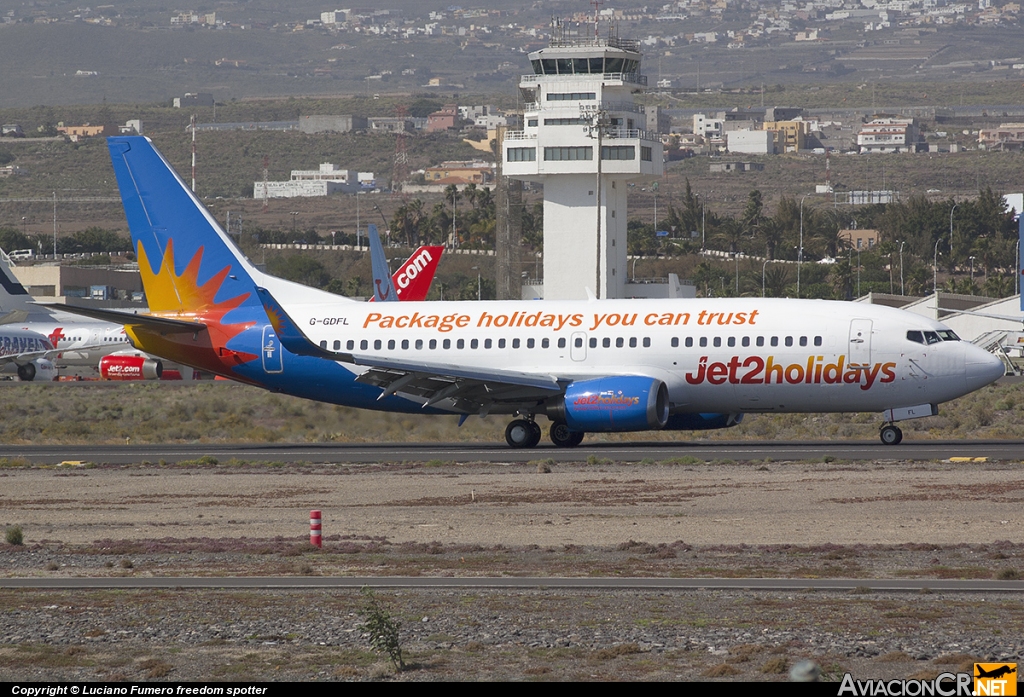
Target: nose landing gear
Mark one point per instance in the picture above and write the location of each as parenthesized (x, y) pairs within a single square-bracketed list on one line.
[(890, 434)]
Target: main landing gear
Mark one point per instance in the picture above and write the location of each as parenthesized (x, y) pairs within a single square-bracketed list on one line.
[(890, 434), (525, 433), (522, 433), (563, 437)]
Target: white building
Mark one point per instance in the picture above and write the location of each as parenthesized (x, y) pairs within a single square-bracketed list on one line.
[(327, 180), (584, 139), (751, 142), (888, 135)]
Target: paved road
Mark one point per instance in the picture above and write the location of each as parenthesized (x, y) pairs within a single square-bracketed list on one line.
[(509, 583), (493, 452)]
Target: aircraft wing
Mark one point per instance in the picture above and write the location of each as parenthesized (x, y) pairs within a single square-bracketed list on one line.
[(469, 389), (165, 325), (14, 317)]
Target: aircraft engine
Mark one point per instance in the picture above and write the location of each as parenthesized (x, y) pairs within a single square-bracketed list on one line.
[(701, 421), (120, 367), (622, 403), (40, 369)]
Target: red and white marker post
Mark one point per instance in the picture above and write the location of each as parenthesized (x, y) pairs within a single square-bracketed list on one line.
[(315, 529)]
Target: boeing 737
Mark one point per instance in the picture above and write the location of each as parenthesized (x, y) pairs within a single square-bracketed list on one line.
[(588, 366)]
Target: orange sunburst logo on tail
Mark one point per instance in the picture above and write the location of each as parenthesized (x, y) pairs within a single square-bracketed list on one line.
[(182, 297)]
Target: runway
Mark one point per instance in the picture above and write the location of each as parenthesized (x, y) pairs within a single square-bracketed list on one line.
[(361, 453), (514, 583)]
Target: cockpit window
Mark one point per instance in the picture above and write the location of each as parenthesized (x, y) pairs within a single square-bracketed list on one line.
[(947, 335), (915, 336), (931, 338)]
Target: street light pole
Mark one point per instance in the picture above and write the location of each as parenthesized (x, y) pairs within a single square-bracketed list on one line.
[(765, 264), (902, 289), (935, 270), (800, 250)]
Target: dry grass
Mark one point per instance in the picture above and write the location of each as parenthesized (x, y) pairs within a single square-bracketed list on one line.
[(72, 413)]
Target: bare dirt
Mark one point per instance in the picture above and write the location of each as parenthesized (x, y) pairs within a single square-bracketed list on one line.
[(786, 519)]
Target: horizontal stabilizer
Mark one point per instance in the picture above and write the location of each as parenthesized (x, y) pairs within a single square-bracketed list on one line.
[(165, 325)]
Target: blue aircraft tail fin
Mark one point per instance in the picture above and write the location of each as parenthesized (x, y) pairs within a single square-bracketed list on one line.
[(383, 288), (188, 263)]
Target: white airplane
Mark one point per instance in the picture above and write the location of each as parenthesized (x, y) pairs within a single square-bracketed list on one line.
[(28, 352), (588, 366)]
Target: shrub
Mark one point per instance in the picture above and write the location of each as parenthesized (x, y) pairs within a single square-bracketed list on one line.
[(14, 535), (382, 628)]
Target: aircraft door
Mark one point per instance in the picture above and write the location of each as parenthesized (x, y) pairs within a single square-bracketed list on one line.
[(578, 346), (860, 342), (273, 358)]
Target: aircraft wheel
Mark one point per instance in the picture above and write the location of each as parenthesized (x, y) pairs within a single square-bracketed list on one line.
[(27, 372), (563, 437), (535, 434), (891, 435), (522, 434)]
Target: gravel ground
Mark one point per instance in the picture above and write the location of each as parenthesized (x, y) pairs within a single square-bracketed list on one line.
[(798, 519)]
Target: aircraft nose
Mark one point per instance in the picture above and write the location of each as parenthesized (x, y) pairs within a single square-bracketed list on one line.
[(983, 368)]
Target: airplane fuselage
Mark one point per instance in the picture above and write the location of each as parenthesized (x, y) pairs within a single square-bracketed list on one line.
[(722, 355)]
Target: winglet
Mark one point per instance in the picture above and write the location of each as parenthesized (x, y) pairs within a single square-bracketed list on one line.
[(290, 335), (383, 288)]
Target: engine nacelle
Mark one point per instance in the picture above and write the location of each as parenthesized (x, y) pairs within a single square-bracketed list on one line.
[(702, 421), (119, 367), (41, 369), (623, 403)]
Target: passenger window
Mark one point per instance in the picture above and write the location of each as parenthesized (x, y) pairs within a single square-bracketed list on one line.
[(675, 342), (515, 343), (405, 344), (545, 343), (460, 344), (703, 342), (775, 341), (578, 342), (419, 344), (606, 342), (717, 341), (530, 343), (689, 342), (915, 336), (433, 344), (391, 344), (323, 345), (446, 344), (632, 342), (731, 341), (363, 345), (620, 342), (474, 343), (337, 344), (561, 342), (817, 341), (376, 344), (647, 342), (803, 341), (759, 341), (487, 343), (593, 342), (745, 341), (789, 341), (501, 343), (350, 345)]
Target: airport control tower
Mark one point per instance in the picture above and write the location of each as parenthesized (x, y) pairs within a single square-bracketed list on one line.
[(579, 102)]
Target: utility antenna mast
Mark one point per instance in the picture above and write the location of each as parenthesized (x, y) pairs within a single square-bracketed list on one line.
[(193, 153), (400, 170), (597, 9), (266, 170)]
